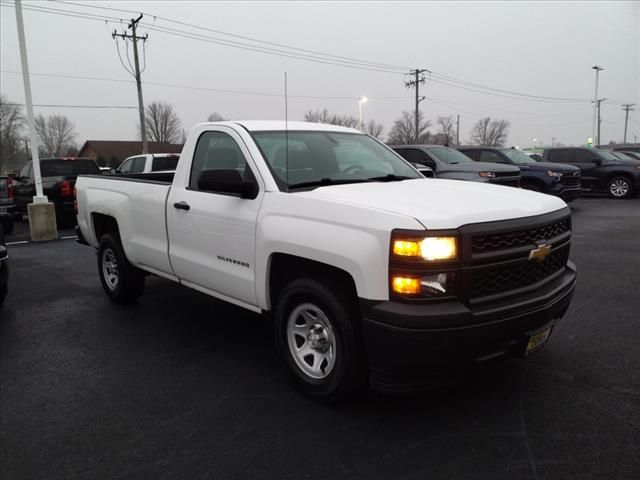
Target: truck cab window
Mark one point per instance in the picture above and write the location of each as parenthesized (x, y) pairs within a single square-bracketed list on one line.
[(217, 151)]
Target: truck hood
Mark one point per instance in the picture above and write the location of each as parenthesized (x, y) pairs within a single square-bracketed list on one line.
[(440, 203), (478, 167), (557, 167)]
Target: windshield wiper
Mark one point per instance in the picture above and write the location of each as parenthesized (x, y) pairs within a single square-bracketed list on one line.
[(328, 181), (388, 178)]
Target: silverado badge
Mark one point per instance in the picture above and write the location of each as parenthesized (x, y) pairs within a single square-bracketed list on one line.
[(540, 253)]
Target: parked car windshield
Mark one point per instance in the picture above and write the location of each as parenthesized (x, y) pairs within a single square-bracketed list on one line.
[(61, 168), (315, 158), (606, 154), (449, 155), (516, 156)]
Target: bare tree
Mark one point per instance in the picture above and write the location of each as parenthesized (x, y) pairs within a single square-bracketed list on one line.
[(10, 127), (374, 129), (403, 131), (490, 133), (163, 124), (323, 116), (446, 134), (57, 134), (215, 117)]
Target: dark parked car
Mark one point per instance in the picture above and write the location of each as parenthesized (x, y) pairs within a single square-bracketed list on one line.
[(630, 153), (561, 180), (602, 170), (4, 267), (449, 163), (7, 205), (58, 181)]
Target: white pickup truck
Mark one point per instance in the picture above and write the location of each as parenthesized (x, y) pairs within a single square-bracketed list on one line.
[(149, 162), (371, 272)]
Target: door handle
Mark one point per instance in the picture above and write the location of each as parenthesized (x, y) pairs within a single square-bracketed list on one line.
[(181, 206)]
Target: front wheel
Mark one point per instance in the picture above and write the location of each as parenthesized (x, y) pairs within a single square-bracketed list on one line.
[(619, 187), (121, 281), (318, 336)]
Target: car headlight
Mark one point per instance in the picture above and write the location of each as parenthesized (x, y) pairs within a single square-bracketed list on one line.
[(551, 173), (430, 248), (487, 174), (428, 285)]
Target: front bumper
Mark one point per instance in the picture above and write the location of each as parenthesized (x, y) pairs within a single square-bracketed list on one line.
[(405, 342), (566, 192)]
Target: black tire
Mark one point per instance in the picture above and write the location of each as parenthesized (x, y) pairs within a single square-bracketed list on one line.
[(620, 187), (348, 373), (7, 225), (122, 282)]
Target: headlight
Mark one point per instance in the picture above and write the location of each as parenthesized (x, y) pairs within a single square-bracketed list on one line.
[(430, 285), (551, 173), (487, 174), (430, 248)]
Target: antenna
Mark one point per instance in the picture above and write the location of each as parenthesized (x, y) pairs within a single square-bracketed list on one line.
[(286, 130)]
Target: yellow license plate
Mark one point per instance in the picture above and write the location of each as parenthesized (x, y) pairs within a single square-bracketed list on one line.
[(538, 339)]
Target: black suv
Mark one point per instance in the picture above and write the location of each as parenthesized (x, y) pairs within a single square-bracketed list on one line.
[(7, 207), (561, 180), (449, 163), (602, 171)]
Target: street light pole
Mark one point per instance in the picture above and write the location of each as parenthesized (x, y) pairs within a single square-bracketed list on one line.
[(361, 100), (40, 197), (596, 140)]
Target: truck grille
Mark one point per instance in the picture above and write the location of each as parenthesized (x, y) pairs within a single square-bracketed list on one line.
[(490, 281), (501, 241), (570, 181)]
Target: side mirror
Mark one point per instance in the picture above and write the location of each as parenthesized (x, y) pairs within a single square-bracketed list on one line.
[(597, 162), (424, 170), (227, 181), (113, 171)]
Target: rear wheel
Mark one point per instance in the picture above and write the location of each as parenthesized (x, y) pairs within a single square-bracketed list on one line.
[(620, 187), (318, 336), (121, 281)]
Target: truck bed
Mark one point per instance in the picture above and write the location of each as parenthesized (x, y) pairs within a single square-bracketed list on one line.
[(137, 202)]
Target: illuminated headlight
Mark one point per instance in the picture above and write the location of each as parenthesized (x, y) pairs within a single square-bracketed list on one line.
[(551, 173), (430, 248), (431, 285), (487, 174)]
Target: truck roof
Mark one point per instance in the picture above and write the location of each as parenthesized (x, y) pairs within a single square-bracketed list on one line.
[(281, 125)]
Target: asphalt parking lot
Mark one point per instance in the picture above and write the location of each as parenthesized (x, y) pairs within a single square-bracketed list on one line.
[(181, 386)]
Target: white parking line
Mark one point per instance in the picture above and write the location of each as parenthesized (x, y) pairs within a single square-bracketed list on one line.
[(23, 242), (18, 243)]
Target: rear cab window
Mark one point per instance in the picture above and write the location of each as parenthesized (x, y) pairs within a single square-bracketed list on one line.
[(62, 167), (165, 163)]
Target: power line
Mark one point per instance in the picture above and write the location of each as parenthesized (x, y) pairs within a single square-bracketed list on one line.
[(51, 105), (251, 39), (208, 89)]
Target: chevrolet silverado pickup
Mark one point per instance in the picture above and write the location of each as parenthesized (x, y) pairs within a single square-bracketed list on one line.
[(371, 273)]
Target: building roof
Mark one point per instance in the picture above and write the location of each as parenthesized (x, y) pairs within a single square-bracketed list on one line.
[(116, 149)]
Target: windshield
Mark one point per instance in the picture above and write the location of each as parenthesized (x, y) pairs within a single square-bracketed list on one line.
[(449, 155), (63, 168), (326, 158), (516, 156), (607, 155)]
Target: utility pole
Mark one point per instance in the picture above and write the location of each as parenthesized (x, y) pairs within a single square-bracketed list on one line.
[(419, 79), (458, 130), (599, 121), (596, 105), (626, 107), (133, 26)]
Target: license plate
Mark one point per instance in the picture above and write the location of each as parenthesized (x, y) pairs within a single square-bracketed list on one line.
[(538, 339)]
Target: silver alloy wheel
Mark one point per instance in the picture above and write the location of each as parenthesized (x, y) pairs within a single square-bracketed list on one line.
[(110, 270), (311, 340), (619, 187)]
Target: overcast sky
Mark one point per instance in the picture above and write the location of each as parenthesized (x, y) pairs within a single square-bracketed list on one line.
[(536, 48)]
